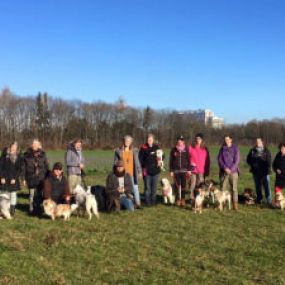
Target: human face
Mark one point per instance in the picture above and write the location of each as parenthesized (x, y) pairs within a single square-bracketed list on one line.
[(57, 172), (78, 146), (128, 142), (282, 150), (228, 141), (14, 148), (120, 169), (36, 145), (259, 143), (150, 140), (180, 142), (199, 140)]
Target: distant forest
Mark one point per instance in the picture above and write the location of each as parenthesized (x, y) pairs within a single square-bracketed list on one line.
[(56, 122)]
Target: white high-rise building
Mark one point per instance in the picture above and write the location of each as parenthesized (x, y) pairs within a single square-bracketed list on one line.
[(208, 118)]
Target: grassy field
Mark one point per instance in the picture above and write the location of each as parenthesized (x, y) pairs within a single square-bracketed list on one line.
[(161, 245)]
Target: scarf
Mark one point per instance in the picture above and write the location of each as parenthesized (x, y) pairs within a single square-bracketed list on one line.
[(180, 148)]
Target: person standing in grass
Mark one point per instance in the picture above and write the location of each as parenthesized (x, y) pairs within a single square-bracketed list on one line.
[(11, 171), (259, 160), (56, 186), (74, 160), (228, 160), (36, 170), (180, 169), (279, 169), (151, 169), (129, 155), (200, 161), (119, 188)]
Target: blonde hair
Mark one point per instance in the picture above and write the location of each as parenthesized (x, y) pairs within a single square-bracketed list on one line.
[(38, 142)]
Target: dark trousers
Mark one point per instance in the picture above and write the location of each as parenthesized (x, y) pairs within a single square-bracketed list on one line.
[(262, 181), (181, 182), (150, 187)]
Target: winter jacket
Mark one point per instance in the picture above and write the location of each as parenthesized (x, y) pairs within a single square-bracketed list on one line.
[(148, 159), (36, 167), (259, 162), (279, 163), (229, 157), (73, 160), (56, 189), (199, 160), (179, 162), (11, 171), (137, 165), (112, 184)]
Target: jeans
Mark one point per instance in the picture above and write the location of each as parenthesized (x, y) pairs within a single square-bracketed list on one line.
[(136, 192), (232, 181), (150, 187), (127, 203), (196, 179), (262, 181), (35, 199), (180, 179)]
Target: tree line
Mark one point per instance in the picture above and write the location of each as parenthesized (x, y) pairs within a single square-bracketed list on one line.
[(56, 122)]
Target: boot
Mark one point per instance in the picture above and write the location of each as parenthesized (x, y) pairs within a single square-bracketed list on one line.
[(183, 203), (178, 203), (235, 206), (12, 210)]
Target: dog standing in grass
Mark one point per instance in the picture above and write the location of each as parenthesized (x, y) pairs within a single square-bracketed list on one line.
[(167, 191), (221, 197), (54, 211)]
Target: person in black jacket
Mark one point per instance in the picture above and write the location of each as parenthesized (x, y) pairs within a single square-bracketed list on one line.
[(11, 171), (151, 169), (180, 169), (259, 160), (36, 170), (279, 168)]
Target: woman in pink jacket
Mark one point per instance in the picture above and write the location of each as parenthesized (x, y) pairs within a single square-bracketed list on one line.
[(200, 161)]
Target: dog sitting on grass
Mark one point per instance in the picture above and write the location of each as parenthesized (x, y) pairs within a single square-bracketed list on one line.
[(54, 210), (280, 199), (5, 207), (247, 198)]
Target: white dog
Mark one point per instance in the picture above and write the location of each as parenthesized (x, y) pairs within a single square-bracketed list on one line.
[(199, 200), (159, 156), (281, 199), (222, 197), (5, 207), (86, 200), (167, 191)]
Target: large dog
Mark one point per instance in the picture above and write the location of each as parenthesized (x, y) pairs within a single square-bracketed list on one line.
[(58, 210), (5, 207), (86, 200)]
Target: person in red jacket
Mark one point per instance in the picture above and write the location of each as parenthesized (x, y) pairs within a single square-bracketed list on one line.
[(180, 169), (200, 161)]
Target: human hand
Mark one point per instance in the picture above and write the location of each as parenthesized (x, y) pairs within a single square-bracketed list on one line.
[(13, 181), (3, 181)]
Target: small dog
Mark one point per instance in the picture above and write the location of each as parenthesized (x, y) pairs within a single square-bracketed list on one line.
[(159, 156), (86, 200), (222, 197), (247, 197), (199, 200), (281, 200), (61, 210), (5, 207), (167, 191)]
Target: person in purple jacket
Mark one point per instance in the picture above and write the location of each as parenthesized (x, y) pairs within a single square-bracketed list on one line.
[(228, 160)]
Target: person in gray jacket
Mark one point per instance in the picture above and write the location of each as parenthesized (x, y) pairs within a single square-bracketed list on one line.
[(75, 164), (130, 157)]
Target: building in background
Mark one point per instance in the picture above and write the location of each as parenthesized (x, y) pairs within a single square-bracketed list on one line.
[(209, 119)]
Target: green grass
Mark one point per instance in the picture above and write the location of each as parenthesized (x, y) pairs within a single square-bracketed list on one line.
[(161, 245)]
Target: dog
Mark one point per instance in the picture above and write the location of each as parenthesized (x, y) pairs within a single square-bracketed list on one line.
[(247, 197), (159, 157), (281, 200), (86, 200), (5, 207), (222, 197), (61, 210), (199, 200), (167, 191)]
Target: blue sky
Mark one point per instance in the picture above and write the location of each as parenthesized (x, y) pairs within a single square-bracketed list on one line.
[(226, 55)]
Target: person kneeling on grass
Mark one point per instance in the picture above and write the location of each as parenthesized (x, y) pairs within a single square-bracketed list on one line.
[(279, 169), (56, 186), (119, 188)]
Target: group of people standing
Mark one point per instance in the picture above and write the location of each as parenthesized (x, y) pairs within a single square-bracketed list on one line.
[(188, 165)]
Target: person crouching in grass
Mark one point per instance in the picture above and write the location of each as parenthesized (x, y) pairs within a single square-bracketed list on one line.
[(11, 170), (180, 169), (119, 188), (228, 160), (279, 169), (56, 186)]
